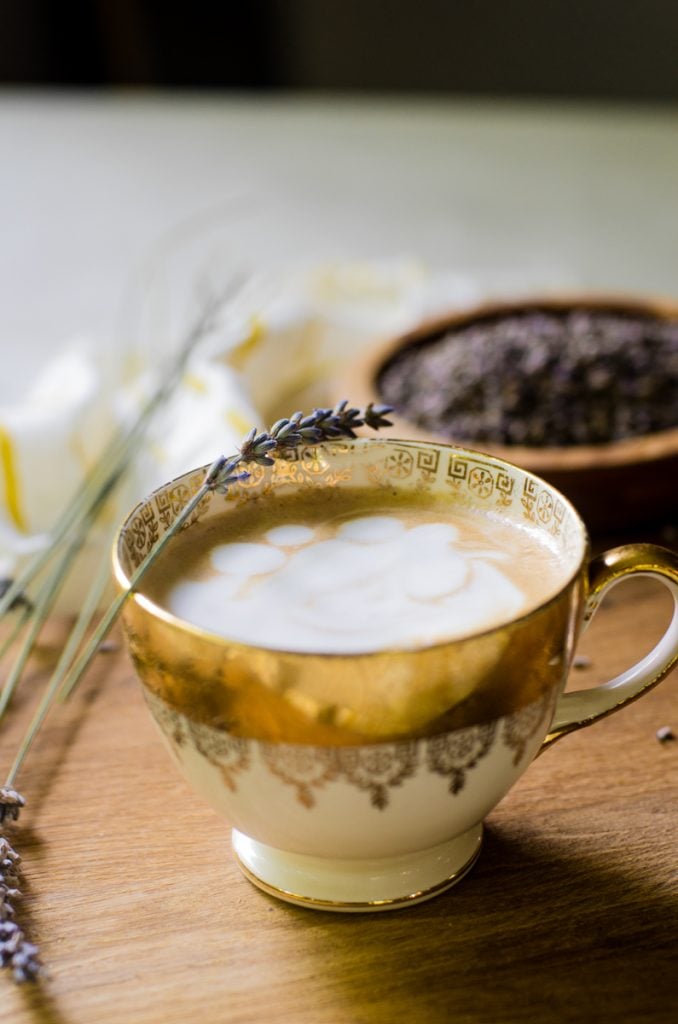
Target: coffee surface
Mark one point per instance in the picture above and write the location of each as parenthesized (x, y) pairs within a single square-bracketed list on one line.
[(339, 570)]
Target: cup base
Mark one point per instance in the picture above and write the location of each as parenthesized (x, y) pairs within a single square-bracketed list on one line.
[(355, 886)]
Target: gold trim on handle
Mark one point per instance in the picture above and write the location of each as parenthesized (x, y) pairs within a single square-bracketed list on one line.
[(609, 568), (604, 572)]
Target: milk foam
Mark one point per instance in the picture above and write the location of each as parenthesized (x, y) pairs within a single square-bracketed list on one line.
[(375, 582)]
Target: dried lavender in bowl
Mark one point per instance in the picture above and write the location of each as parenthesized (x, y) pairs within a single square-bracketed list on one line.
[(541, 378)]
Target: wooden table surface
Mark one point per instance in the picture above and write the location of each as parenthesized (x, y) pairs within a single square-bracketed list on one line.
[(141, 915), (571, 914)]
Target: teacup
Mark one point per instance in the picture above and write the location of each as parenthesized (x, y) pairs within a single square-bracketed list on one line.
[(360, 781)]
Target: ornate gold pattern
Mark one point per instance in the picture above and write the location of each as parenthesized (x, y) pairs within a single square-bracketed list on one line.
[(287, 697), (375, 768), (457, 468), (253, 481), (481, 478), (310, 465), (454, 754), (305, 768), (399, 464), (481, 481), (519, 728), (427, 460), (144, 525), (378, 768), (172, 724), (504, 486), (164, 508), (230, 754), (543, 506), (530, 492)]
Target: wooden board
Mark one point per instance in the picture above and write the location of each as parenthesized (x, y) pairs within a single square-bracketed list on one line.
[(571, 913)]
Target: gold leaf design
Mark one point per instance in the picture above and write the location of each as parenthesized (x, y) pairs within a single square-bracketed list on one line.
[(399, 464), (530, 492), (178, 496), (162, 504), (457, 468), (378, 768), (305, 768), (256, 475), (504, 486), (454, 754), (519, 728), (545, 505), (230, 754), (173, 724), (427, 461), (481, 481)]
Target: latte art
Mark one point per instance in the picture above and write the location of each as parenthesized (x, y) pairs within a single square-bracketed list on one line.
[(357, 582)]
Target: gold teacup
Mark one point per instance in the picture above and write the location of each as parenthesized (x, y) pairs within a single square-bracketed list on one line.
[(360, 781)]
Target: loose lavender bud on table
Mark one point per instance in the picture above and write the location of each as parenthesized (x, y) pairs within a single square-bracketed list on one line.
[(16, 952), (11, 803)]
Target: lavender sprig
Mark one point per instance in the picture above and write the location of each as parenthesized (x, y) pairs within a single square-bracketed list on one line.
[(260, 448), (297, 430), (16, 952)]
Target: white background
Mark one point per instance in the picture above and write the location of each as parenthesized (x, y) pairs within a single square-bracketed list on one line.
[(95, 191)]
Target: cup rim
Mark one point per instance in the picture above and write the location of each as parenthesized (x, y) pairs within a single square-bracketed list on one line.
[(122, 581)]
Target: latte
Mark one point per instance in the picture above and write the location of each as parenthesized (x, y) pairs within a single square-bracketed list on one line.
[(341, 570)]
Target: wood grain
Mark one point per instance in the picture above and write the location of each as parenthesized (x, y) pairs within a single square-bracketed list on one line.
[(570, 915)]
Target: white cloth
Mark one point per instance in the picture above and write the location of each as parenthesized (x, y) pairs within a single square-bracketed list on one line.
[(281, 337)]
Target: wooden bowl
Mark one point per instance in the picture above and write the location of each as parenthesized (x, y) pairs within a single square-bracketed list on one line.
[(615, 486)]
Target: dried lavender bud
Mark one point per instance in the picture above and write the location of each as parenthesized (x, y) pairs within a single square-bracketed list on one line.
[(541, 378), (24, 963), (225, 482), (255, 446), (375, 416), (108, 647), (222, 473), (289, 427), (311, 435), (665, 734), (278, 426), (9, 858), (16, 953), (346, 419), (11, 803), (289, 439)]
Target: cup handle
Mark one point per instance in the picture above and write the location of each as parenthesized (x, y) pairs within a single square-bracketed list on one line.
[(578, 708)]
